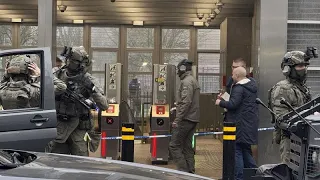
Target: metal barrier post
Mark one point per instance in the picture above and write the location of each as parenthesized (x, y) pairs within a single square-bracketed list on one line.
[(127, 151), (229, 137)]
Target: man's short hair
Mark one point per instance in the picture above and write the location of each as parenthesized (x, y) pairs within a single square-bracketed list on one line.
[(240, 60), (240, 72)]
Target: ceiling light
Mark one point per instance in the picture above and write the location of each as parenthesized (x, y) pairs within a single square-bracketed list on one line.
[(138, 23), (200, 15), (219, 4), (78, 21), (212, 16), (16, 20), (198, 23), (144, 63)]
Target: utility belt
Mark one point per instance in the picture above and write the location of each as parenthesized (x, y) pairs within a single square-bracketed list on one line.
[(68, 110), (85, 120)]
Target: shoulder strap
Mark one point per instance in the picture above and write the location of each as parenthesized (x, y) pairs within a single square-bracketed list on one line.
[(304, 89), (273, 118)]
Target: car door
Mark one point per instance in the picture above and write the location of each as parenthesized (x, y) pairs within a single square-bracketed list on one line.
[(30, 128)]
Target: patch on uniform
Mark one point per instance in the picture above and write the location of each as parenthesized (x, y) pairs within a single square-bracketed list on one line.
[(184, 91)]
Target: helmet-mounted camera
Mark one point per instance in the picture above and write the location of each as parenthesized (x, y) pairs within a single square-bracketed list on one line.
[(311, 52), (66, 52)]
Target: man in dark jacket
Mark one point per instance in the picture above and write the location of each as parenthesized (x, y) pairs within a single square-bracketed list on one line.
[(187, 118), (243, 110)]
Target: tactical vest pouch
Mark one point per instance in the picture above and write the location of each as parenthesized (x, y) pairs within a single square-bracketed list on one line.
[(85, 123), (273, 118), (66, 109), (14, 98), (95, 140)]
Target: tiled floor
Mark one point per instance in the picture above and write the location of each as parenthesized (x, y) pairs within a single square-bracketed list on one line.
[(208, 156)]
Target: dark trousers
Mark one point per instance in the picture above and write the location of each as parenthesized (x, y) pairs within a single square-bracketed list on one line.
[(243, 159), (181, 146)]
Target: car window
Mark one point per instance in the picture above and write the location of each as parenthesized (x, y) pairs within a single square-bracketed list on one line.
[(20, 86)]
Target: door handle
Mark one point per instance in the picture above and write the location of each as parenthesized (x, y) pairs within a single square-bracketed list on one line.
[(39, 120)]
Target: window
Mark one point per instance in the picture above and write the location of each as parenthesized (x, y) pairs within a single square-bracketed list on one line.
[(208, 63), (140, 38), (174, 58), (209, 83), (99, 59), (102, 37), (175, 38), (104, 50), (145, 81), (139, 62), (209, 39), (18, 72), (209, 60), (208, 70), (5, 35), (69, 36), (28, 35), (139, 67)]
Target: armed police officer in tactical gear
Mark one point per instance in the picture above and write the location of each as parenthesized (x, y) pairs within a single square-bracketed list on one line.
[(293, 89), (187, 117), (73, 107), (20, 87)]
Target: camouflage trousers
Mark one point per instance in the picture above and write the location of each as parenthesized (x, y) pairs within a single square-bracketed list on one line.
[(285, 149), (74, 145), (181, 146), (71, 139)]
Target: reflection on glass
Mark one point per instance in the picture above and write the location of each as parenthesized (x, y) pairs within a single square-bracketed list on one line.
[(20, 81), (99, 59), (69, 36), (209, 83), (140, 38), (208, 62), (174, 58), (175, 38), (209, 39), (139, 62), (28, 35), (105, 37), (5, 35), (139, 91)]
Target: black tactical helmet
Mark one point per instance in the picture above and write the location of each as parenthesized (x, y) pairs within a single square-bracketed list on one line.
[(77, 59), (184, 66)]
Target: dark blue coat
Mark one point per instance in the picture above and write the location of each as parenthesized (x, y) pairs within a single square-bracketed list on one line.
[(243, 110)]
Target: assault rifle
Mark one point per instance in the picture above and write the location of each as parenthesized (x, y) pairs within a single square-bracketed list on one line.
[(79, 98)]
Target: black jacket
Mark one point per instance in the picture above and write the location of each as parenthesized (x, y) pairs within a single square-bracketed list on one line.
[(243, 110)]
